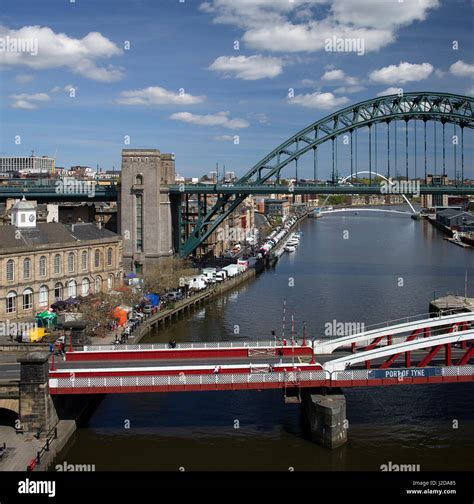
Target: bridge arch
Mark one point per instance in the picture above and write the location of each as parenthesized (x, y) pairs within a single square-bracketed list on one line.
[(442, 107), (425, 106), (344, 179)]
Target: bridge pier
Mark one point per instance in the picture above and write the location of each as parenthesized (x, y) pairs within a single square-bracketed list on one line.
[(325, 413), (37, 411)]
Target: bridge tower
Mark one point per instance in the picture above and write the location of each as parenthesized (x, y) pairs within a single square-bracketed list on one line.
[(37, 411), (144, 208)]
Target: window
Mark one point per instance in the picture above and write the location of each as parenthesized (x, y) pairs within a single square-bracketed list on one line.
[(98, 284), (71, 266), (10, 271), (139, 222), (58, 291), (110, 256), (42, 266), (27, 268), (84, 260), (27, 299), (57, 264), (85, 287), (97, 258), (110, 282), (139, 180), (11, 302), (43, 295), (71, 289)]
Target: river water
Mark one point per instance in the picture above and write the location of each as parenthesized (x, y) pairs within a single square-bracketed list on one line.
[(357, 269)]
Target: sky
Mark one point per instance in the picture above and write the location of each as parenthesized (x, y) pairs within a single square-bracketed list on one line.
[(216, 81)]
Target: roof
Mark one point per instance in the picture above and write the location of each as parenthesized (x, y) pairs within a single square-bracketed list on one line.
[(24, 205), (53, 233), (449, 213)]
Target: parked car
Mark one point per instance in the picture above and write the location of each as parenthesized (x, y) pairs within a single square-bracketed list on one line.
[(174, 295)]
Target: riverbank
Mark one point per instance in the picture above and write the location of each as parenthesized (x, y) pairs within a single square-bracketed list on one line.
[(275, 254), (186, 305), (27, 452), (66, 428)]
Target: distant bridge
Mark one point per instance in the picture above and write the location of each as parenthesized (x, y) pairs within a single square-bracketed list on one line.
[(357, 210)]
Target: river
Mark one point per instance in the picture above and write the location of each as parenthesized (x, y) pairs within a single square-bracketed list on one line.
[(358, 269)]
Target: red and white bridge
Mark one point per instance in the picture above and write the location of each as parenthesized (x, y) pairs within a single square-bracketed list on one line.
[(430, 350)]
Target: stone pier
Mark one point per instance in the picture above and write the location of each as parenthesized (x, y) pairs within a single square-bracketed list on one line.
[(37, 410), (325, 413)]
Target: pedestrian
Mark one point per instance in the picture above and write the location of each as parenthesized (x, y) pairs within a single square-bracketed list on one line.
[(280, 354)]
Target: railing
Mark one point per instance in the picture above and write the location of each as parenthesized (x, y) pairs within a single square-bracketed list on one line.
[(393, 324), (177, 380), (283, 378), (187, 346), (52, 434)]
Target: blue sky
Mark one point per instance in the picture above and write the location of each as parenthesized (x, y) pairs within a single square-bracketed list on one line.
[(182, 86)]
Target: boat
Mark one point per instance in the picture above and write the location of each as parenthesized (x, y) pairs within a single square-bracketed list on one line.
[(290, 248)]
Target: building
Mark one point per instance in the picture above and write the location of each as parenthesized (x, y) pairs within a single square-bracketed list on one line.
[(41, 263), (144, 208), (27, 165), (109, 175), (276, 207), (453, 218), (435, 200)]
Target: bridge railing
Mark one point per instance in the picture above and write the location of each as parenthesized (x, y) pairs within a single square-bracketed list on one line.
[(177, 380), (293, 377), (389, 323), (191, 346)]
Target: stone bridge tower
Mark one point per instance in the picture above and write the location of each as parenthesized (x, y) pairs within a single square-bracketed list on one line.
[(144, 208)]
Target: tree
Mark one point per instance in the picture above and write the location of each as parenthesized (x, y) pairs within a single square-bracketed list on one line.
[(167, 275), (98, 312)]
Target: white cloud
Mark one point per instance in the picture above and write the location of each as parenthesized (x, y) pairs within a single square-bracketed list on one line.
[(404, 72), (461, 69), (56, 50), (286, 26), (383, 14), (66, 88), (349, 89), (312, 36), (158, 96), (339, 75), (223, 138), (248, 67), (218, 119), (335, 74), (27, 101), (24, 78), (318, 100), (390, 91)]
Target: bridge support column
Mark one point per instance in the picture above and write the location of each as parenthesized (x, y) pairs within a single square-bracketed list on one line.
[(37, 410), (325, 413)]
